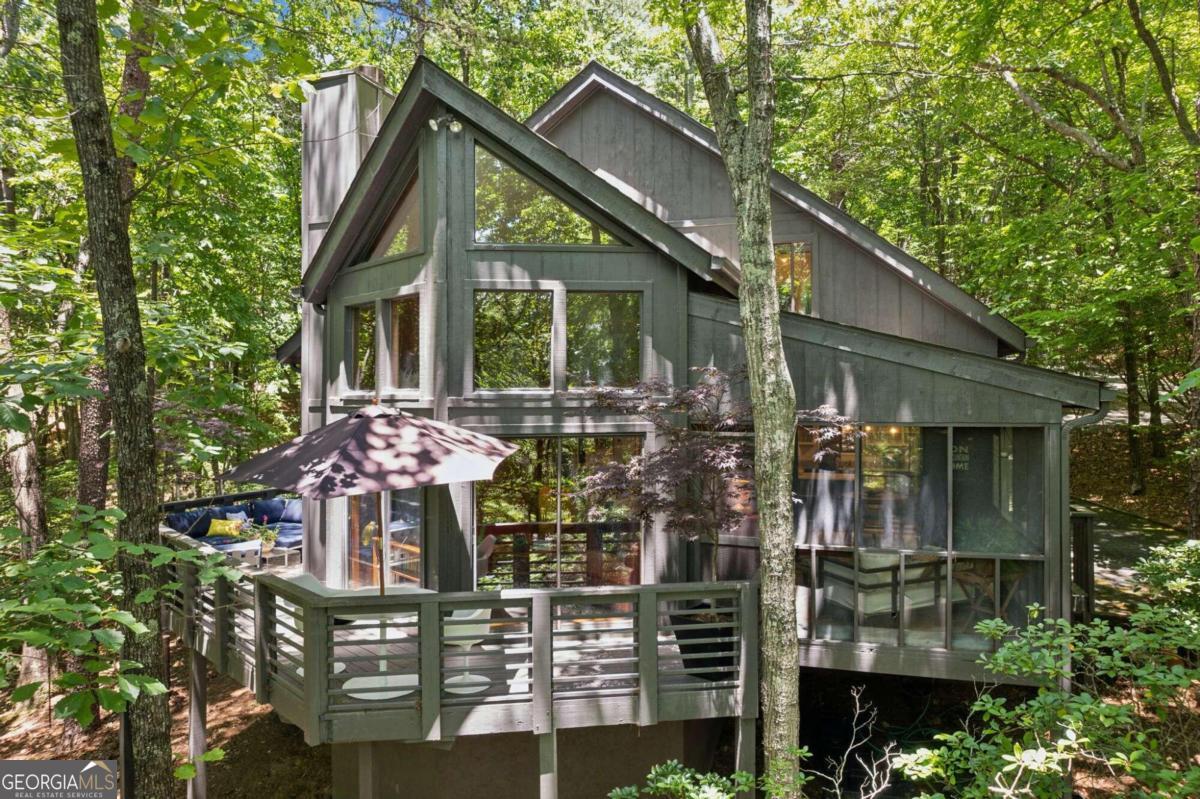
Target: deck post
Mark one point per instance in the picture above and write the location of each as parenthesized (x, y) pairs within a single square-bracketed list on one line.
[(747, 744), (647, 643), (542, 629), (316, 672), (197, 722), (429, 632), (262, 628), (548, 765)]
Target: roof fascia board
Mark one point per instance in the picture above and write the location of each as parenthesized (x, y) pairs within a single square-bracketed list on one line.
[(595, 76), (1070, 390)]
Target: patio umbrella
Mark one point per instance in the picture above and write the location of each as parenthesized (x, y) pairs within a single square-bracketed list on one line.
[(375, 449)]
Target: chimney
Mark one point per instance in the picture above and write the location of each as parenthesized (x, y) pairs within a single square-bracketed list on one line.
[(338, 122)]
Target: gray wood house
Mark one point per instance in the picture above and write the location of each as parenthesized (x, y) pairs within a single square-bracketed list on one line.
[(463, 265)]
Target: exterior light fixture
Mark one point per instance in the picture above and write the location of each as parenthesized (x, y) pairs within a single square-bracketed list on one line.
[(455, 126)]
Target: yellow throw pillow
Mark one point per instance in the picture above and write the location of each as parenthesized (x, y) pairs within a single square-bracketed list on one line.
[(225, 527)]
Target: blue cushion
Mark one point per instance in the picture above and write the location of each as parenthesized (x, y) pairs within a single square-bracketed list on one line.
[(186, 522), (224, 543), (290, 535), (293, 511), (271, 508)]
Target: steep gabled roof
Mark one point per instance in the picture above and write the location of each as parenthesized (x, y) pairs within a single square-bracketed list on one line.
[(596, 77), (427, 84)]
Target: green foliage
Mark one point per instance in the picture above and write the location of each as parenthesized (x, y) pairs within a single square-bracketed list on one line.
[(1129, 709), (675, 781), (1173, 575), (62, 599)]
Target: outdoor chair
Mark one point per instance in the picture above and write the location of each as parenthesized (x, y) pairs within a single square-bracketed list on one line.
[(464, 637)]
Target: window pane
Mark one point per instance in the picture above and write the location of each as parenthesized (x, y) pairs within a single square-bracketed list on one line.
[(402, 234), (404, 537), (512, 339), (604, 338), (904, 499), (406, 342), (362, 549), (924, 601), (404, 540), (362, 347), (601, 543), (835, 597), (512, 209), (516, 518), (823, 486), (998, 488), (793, 276), (973, 600)]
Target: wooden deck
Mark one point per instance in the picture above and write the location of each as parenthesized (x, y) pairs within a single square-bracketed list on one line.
[(434, 666)]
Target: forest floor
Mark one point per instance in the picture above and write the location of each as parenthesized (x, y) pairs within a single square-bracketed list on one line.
[(1100, 475), (264, 757)]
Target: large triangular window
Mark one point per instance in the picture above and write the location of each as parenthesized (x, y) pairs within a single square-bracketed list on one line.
[(403, 231), (512, 209)]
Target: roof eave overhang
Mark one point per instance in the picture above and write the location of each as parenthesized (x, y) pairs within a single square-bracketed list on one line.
[(595, 77), (1072, 391), (426, 85)]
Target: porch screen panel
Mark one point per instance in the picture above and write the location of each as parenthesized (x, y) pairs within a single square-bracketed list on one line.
[(512, 339), (604, 338), (834, 595), (510, 208), (405, 342), (823, 486), (601, 542), (361, 347), (904, 496), (973, 599), (999, 483)]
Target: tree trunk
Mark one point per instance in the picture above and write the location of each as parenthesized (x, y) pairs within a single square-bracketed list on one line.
[(22, 461), (95, 418), (746, 151), (1158, 442), (125, 363), (1133, 406)]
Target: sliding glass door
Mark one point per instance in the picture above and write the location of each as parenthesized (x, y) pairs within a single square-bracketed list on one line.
[(535, 529)]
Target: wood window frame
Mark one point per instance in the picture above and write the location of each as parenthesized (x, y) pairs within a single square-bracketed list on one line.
[(808, 244), (409, 171), (383, 344), (558, 333), (473, 138)]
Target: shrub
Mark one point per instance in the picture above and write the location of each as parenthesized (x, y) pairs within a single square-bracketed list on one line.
[(1115, 698)]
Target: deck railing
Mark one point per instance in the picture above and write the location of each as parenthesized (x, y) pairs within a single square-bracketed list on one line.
[(433, 666)]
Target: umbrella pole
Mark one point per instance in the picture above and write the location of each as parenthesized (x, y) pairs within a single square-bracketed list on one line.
[(379, 524)]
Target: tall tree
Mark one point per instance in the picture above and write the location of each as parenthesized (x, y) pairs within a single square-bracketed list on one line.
[(745, 139), (125, 365)]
